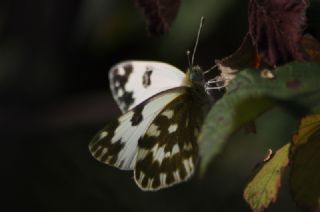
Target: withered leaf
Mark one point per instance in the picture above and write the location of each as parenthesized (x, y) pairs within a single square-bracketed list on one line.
[(159, 14), (242, 58), (276, 28)]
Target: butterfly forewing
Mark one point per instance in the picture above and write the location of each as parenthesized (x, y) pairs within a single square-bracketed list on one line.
[(132, 82), (117, 143), (167, 153)]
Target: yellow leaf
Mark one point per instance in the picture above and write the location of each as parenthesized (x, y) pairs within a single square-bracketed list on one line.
[(264, 187)]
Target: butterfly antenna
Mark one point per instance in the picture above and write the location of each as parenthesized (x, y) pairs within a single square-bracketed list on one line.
[(197, 40), (189, 61)]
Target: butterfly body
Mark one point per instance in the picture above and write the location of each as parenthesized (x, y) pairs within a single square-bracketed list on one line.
[(163, 110)]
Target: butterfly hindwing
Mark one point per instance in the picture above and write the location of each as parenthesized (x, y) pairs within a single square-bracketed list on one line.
[(167, 154), (132, 82), (117, 143)]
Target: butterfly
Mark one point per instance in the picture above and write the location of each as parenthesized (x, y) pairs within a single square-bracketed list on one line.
[(163, 110)]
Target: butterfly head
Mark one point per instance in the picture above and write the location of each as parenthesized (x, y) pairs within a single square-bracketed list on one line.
[(196, 81), (195, 75)]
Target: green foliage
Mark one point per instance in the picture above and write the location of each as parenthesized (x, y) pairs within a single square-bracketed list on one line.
[(295, 87), (248, 95)]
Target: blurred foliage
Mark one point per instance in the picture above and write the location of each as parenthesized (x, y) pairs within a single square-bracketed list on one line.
[(305, 174), (294, 87), (275, 29)]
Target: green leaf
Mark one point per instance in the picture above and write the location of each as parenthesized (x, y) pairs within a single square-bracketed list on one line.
[(295, 86), (263, 188), (305, 172)]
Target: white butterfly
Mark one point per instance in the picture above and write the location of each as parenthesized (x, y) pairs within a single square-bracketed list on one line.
[(163, 110)]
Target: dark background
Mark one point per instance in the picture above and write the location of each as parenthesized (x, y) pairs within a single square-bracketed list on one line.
[(54, 58)]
